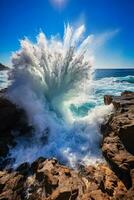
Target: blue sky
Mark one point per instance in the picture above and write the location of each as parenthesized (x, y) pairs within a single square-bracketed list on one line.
[(113, 18)]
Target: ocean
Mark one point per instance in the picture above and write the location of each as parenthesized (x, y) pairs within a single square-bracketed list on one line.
[(63, 98), (103, 73), (106, 82), (79, 142)]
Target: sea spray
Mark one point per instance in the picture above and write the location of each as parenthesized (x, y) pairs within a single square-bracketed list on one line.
[(51, 72), (49, 77)]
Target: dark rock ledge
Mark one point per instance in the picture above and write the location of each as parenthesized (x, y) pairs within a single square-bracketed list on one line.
[(3, 67), (47, 179), (12, 120)]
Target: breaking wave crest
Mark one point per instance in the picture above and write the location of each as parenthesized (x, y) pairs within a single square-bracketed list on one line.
[(129, 79), (51, 79)]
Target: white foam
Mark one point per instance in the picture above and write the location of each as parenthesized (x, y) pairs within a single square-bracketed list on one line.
[(49, 76)]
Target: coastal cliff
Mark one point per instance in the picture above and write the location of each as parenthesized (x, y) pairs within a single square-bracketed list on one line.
[(47, 179)]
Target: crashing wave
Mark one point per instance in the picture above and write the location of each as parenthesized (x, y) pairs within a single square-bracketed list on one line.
[(49, 77), (51, 70)]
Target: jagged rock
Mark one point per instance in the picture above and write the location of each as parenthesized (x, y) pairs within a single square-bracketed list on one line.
[(59, 180), (108, 99), (102, 183), (50, 181), (53, 181), (11, 185), (117, 146)]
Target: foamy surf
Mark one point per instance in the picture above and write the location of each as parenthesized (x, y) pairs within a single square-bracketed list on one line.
[(52, 82)]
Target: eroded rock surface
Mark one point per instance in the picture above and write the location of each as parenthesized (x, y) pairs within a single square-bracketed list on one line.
[(118, 143), (46, 179)]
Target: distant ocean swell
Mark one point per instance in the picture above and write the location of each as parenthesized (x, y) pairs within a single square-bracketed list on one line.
[(129, 79)]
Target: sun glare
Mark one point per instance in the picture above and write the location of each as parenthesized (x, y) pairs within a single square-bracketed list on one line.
[(59, 3)]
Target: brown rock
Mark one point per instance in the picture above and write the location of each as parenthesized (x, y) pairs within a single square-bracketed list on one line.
[(96, 195), (59, 180), (65, 194), (117, 146), (52, 181), (108, 99)]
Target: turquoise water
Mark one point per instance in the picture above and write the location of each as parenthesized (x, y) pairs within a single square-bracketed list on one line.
[(78, 141), (105, 82)]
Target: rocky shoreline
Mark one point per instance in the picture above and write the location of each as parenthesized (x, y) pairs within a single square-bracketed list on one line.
[(47, 179)]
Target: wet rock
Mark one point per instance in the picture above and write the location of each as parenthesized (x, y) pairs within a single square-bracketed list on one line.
[(11, 185), (117, 146), (35, 165), (52, 181), (24, 168), (108, 99), (12, 120), (102, 182), (49, 181), (59, 180)]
